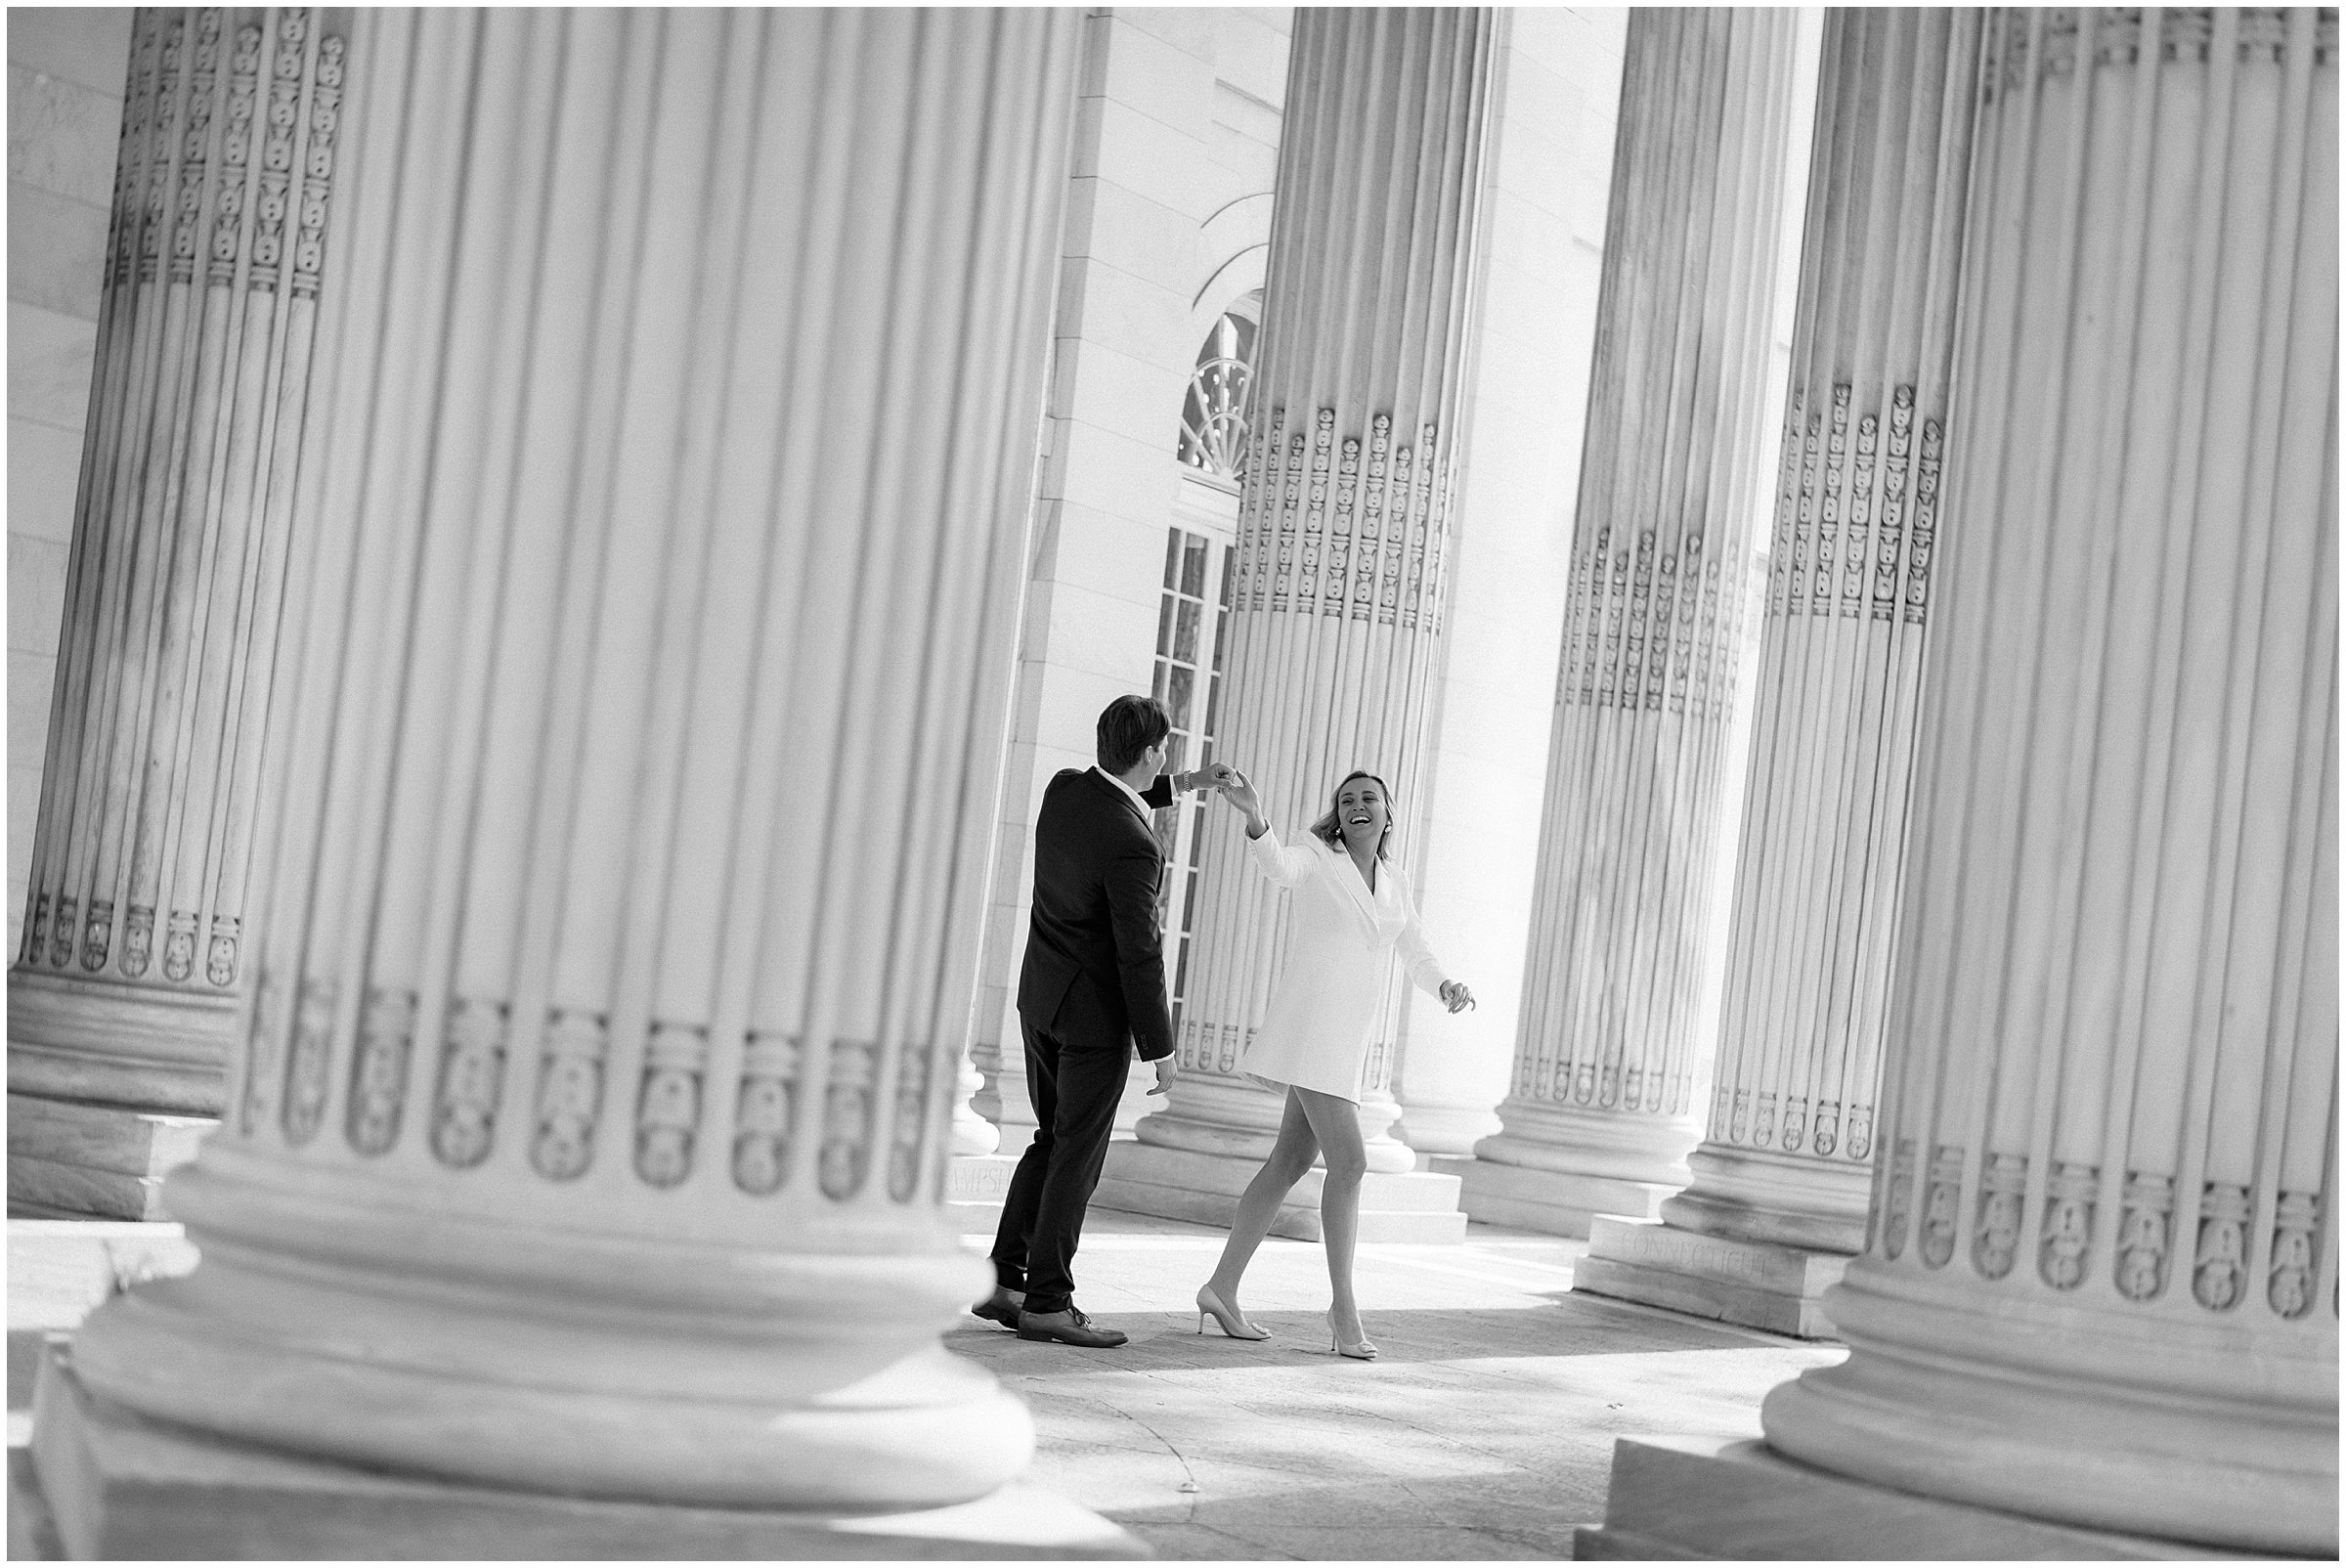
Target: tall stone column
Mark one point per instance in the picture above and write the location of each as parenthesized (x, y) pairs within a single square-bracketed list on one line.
[(654, 631), (122, 998), (1344, 537), (1600, 1115), (1556, 93), (1778, 1197), (2102, 1284)]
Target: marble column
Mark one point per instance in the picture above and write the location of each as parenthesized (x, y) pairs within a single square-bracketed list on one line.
[(652, 644), (122, 998), (1599, 1116), (1344, 538), (1557, 90), (1778, 1197), (2100, 1286)]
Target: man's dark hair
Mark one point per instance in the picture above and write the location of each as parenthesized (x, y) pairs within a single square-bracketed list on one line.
[(1129, 726)]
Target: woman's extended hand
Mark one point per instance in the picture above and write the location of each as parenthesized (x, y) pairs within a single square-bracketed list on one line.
[(1239, 791), (1455, 996)]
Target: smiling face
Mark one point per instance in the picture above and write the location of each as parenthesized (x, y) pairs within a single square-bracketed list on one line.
[(1362, 813)]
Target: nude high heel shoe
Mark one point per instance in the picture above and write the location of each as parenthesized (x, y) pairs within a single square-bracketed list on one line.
[(1358, 1350), (1233, 1326)]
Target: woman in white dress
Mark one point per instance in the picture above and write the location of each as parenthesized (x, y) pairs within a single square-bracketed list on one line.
[(1351, 913)]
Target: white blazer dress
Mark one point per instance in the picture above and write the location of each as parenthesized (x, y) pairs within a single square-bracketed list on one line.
[(1340, 946)]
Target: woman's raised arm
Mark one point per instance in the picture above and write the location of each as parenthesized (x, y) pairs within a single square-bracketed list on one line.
[(1283, 865)]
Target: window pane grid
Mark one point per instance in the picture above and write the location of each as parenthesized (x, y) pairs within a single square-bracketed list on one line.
[(1190, 633)]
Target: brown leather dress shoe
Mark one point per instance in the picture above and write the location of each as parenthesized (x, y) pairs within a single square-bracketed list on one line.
[(1001, 1307), (1068, 1328)]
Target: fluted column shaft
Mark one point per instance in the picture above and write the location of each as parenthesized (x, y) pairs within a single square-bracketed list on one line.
[(1608, 1050), (678, 392), (2102, 1284), (1789, 1149), (1335, 618), (135, 943)]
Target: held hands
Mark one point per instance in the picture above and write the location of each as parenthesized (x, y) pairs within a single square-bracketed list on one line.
[(1165, 1072), (1212, 776), (1455, 996), (1239, 791)]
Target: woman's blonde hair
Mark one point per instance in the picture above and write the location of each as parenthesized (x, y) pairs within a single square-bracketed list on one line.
[(1331, 833)]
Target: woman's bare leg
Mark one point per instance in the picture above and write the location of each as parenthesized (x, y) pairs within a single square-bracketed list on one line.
[(1290, 1160), (1336, 1127)]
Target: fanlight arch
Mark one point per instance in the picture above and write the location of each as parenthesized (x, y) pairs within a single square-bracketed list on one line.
[(1214, 415)]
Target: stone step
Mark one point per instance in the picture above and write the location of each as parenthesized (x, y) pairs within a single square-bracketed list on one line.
[(100, 1137), (51, 1186), (1182, 1184), (1756, 1283), (59, 1269), (1557, 1202), (1719, 1498), (72, 1157)]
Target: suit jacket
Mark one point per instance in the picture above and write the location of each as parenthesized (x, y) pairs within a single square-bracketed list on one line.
[(1095, 969)]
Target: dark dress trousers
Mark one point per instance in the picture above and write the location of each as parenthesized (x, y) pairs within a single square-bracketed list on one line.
[(1093, 981)]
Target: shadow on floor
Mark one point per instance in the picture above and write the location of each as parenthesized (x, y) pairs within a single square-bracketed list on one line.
[(1569, 1325)]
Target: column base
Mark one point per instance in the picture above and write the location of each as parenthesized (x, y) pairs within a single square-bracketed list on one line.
[(1185, 1184), (105, 1161), (1687, 1498), (1756, 1283), (1445, 1129), (119, 1487), (118, 1044), (1554, 1202)]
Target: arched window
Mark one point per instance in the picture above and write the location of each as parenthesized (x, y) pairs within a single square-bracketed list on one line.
[(1213, 417)]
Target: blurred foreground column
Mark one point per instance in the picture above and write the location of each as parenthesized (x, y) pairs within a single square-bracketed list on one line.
[(1600, 1113), (585, 1149), (2101, 1289), (1779, 1198), (1335, 618), (122, 1004)]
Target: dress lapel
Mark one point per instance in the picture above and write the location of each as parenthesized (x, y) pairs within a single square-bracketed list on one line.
[(1354, 883)]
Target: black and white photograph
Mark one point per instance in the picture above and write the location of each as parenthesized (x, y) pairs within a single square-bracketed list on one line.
[(1247, 784)]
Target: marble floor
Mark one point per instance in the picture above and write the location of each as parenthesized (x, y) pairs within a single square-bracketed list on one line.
[(1484, 1429)]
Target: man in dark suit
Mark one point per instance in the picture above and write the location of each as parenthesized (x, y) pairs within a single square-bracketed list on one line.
[(1094, 980)]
